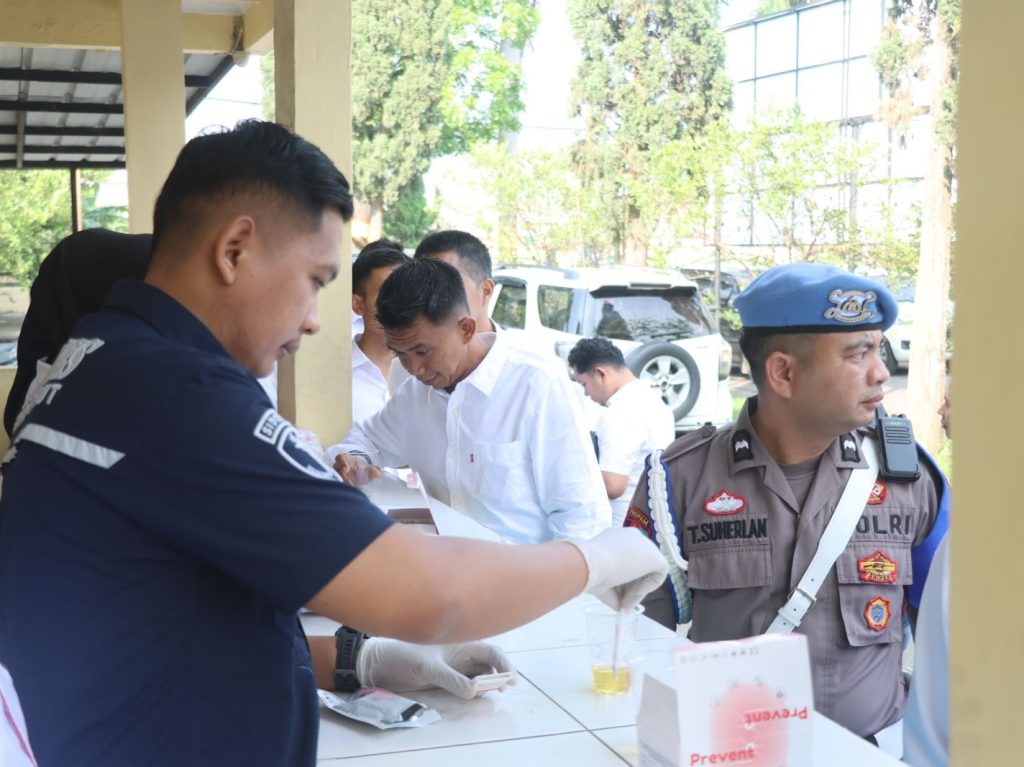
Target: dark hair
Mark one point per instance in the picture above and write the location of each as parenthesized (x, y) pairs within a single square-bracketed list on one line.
[(382, 244), (432, 289), (472, 253), (254, 157), (588, 353), (371, 258), (757, 348)]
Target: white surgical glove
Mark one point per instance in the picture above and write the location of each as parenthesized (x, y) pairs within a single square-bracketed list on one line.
[(401, 666), (624, 566)]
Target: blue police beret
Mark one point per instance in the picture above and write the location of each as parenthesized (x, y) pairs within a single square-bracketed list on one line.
[(814, 298)]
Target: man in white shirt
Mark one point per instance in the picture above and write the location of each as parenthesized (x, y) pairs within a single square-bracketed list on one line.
[(371, 357), (489, 428), (470, 256), (634, 421)]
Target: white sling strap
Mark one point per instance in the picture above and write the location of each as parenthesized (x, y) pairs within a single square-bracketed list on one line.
[(833, 541)]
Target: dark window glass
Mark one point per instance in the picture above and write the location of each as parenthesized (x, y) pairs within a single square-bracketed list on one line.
[(554, 306), (510, 306), (631, 315)]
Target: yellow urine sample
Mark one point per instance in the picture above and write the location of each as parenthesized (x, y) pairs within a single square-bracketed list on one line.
[(610, 682)]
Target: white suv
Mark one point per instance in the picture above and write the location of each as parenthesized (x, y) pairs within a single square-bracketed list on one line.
[(657, 318)]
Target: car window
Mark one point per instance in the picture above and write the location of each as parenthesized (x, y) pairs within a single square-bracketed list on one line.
[(629, 315), (554, 306), (510, 306)]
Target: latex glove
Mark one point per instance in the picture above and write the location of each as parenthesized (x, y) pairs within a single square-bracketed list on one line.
[(401, 666), (355, 469), (624, 566)]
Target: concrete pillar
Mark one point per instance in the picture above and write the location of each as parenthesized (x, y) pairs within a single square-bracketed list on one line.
[(312, 55), (987, 622), (153, 69)]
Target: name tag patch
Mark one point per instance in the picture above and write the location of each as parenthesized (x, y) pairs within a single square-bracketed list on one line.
[(728, 530)]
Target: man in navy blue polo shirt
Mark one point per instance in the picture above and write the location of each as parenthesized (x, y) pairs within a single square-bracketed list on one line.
[(161, 525)]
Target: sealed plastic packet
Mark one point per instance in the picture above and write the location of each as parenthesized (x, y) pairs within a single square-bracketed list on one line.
[(381, 708)]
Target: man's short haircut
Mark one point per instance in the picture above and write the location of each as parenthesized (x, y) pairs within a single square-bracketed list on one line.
[(473, 255), (588, 353), (254, 158), (374, 257), (382, 244), (757, 348), (427, 288)]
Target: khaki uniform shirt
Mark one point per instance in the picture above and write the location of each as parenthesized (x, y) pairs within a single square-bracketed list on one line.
[(748, 543)]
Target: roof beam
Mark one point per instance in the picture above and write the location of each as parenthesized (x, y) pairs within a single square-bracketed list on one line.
[(83, 130), (97, 24), (258, 27), (25, 105), (14, 74), (51, 164), (57, 149)]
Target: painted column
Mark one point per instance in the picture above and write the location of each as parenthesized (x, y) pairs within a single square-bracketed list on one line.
[(152, 65), (312, 55), (986, 644)]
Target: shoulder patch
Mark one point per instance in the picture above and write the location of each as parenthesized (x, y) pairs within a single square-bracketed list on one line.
[(689, 441), (275, 430)]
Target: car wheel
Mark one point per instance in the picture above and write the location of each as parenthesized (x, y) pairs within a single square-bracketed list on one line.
[(888, 359), (671, 372)]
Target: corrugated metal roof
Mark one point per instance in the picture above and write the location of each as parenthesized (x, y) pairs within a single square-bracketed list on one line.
[(63, 108)]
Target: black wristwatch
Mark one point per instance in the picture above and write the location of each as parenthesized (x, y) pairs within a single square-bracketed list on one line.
[(348, 641)]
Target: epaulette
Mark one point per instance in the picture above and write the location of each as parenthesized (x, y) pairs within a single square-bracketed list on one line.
[(689, 441)]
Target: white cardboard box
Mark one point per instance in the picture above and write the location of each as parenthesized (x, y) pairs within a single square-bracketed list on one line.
[(746, 702)]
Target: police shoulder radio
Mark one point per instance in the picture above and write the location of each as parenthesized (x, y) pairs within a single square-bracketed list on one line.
[(897, 447)]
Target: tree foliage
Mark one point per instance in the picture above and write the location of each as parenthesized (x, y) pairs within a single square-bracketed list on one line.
[(399, 55), (545, 209), (36, 215), (921, 42), (411, 218), (429, 78), (482, 94), (650, 73)]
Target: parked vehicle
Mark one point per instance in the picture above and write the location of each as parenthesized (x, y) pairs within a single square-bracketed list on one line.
[(895, 349), (657, 318), (729, 288)]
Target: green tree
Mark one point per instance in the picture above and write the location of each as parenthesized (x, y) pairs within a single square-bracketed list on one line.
[(429, 77), (400, 55), (549, 213), (36, 207), (482, 93), (410, 219), (650, 73), (921, 40)]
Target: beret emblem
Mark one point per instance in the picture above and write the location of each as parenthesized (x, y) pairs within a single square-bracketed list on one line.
[(851, 306)]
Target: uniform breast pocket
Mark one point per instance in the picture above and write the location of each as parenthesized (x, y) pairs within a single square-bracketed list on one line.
[(730, 567), (871, 579), (501, 469)]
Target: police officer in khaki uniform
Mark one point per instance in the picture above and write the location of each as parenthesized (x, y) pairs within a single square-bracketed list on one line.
[(747, 504)]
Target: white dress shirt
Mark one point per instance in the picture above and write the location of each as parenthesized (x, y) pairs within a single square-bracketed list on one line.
[(15, 750), (369, 387), (635, 422), (507, 447)]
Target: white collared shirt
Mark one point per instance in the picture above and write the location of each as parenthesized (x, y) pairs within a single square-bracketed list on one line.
[(369, 387), (15, 750), (507, 447), (635, 422)]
